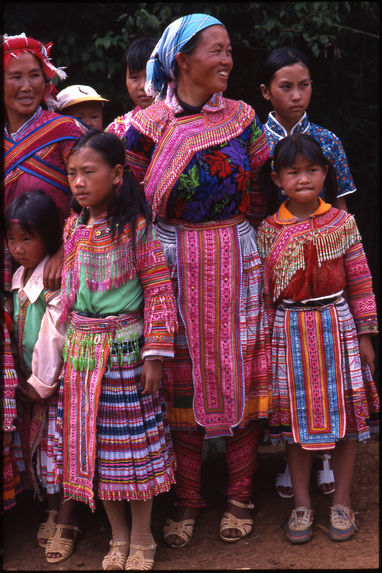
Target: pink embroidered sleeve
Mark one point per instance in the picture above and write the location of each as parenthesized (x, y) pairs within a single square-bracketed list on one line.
[(47, 352), (160, 320), (359, 290), (258, 154)]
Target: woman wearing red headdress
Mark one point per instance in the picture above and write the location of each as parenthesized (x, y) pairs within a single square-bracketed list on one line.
[(36, 140)]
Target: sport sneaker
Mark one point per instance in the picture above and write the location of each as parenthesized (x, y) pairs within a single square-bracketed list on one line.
[(342, 522), (300, 525)]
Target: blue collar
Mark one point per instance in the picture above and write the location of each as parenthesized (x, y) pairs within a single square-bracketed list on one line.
[(277, 130)]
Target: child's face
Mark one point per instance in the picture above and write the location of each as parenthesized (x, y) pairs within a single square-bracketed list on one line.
[(289, 92), (28, 250), (302, 181), (92, 180), (90, 112), (135, 83)]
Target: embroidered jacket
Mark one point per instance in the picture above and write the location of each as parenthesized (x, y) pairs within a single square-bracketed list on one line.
[(317, 257), (121, 124), (331, 146), (199, 167), (35, 157), (106, 275)]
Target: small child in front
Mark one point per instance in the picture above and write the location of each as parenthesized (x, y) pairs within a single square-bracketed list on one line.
[(117, 290), (320, 302), (135, 59), (82, 102), (34, 233)]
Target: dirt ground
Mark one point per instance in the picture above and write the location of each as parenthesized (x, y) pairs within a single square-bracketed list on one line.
[(264, 549)]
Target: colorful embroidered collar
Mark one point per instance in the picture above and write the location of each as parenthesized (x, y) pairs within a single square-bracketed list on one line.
[(215, 103)]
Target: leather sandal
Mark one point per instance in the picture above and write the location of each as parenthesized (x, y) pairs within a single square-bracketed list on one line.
[(183, 529), (60, 544), (229, 521), (47, 528), (115, 559), (138, 560)]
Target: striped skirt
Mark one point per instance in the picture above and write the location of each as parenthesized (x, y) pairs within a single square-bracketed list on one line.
[(133, 457), (321, 392), (45, 461)]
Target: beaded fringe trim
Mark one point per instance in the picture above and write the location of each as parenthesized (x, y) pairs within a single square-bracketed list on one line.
[(330, 244)]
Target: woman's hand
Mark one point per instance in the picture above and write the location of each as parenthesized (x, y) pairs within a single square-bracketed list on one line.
[(29, 394), (366, 351), (151, 376), (53, 270)]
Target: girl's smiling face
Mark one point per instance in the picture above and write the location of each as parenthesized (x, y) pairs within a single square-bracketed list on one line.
[(92, 180), (26, 248)]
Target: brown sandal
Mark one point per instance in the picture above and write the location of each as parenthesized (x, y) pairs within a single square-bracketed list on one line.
[(229, 521), (115, 559), (47, 528), (60, 544)]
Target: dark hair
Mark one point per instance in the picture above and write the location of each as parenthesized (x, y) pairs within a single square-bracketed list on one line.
[(279, 58), (37, 214), (284, 154), (137, 54), (128, 201), (188, 48)]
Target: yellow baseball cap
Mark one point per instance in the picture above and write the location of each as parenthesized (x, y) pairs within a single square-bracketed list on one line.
[(77, 94)]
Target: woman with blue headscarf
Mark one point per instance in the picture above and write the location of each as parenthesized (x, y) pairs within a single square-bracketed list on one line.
[(198, 155)]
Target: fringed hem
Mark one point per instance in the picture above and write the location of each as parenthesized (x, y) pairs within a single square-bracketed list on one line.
[(287, 438), (134, 495)]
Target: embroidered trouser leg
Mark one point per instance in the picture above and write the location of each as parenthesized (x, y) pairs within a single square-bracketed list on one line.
[(188, 451), (241, 452)]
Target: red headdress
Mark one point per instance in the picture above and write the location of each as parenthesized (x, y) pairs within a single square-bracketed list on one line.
[(13, 46)]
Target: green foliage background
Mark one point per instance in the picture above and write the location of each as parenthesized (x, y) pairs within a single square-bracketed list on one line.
[(341, 39)]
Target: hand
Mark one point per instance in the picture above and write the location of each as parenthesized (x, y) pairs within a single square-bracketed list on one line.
[(151, 376), (366, 352), (29, 394), (53, 270)]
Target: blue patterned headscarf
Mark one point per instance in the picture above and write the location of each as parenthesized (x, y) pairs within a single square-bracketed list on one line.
[(160, 67)]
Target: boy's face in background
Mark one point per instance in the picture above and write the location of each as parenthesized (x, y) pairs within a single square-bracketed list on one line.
[(90, 112), (135, 83)]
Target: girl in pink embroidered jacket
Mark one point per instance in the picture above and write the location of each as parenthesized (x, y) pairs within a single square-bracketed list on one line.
[(118, 294), (322, 309), (199, 155)]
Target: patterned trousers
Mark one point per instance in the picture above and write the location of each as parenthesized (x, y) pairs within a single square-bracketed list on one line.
[(241, 451)]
